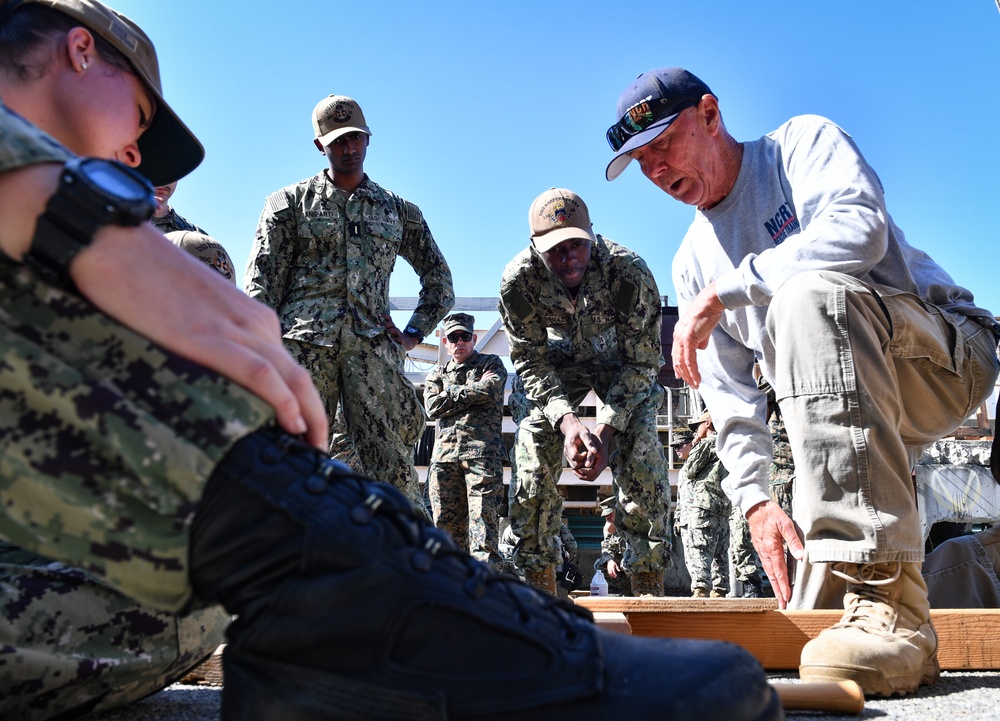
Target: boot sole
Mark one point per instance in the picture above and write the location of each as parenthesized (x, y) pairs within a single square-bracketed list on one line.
[(282, 693), (872, 681)]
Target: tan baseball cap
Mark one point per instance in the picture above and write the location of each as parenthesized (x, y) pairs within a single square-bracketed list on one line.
[(557, 215), (169, 150), (206, 249), (336, 115), (706, 416)]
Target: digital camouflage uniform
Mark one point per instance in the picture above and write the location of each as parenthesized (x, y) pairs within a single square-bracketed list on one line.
[(70, 641), (613, 548), (465, 479), (106, 442), (705, 512), (174, 221), (781, 475), (742, 555), (323, 261), (508, 550), (568, 571), (607, 340)]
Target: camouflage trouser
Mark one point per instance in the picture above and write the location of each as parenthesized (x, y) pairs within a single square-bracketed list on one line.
[(383, 417), (746, 562), (341, 444), (705, 536), (640, 482), (465, 499), (535, 506), (70, 642), (780, 490)]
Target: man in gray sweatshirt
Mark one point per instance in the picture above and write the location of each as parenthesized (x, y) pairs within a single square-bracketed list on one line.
[(793, 260)]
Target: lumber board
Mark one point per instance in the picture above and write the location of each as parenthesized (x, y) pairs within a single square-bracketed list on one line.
[(966, 637)]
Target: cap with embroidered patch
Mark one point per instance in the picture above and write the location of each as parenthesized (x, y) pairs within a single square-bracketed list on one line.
[(646, 108), (337, 115), (206, 249), (168, 148), (557, 215)]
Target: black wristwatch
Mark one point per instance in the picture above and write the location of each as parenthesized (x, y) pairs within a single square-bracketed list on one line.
[(413, 331), (92, 193)]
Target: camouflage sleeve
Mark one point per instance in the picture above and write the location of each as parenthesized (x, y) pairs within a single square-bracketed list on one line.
[(570, 547), (266, 276), (698, 459), (448, 399), (437, 295), (23, 144), (639, 339), (528, 341), (435, 397)]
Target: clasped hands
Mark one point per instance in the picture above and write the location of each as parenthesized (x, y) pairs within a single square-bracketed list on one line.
[(586, 450)]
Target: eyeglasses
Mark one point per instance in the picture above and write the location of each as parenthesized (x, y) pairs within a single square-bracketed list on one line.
[(642, 116), (457, 336)]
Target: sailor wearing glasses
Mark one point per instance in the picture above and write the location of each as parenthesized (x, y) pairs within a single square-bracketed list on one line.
[(582, 313), (465, 479)]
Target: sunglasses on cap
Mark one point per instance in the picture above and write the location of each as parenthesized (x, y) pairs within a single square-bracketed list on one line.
[(463, 335), (644, 115)]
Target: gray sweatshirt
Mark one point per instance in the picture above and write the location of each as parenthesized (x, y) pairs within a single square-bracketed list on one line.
[(805, 199)]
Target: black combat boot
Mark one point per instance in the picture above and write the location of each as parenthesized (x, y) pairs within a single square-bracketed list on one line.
[(350, 606), (752, 588)]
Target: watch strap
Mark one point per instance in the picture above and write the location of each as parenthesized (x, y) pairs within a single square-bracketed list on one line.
[(54, 246)]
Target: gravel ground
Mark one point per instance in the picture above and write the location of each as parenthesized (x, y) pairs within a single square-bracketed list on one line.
[(960, 696)]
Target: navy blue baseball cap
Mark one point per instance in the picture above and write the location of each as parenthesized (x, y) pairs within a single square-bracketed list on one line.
[(646, 108)]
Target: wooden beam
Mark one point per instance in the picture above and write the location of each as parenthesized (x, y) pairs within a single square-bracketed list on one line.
[(776, 638)]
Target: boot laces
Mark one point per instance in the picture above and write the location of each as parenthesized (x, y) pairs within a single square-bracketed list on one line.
[(868, 605), (434, 545)]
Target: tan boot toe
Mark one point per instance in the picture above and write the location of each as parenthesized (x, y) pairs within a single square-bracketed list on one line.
[(885, 640)]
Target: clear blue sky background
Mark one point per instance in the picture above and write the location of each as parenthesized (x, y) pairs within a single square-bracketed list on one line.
[(477, 107)]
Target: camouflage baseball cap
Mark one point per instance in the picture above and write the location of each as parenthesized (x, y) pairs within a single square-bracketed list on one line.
[(459, 321), (608, 505), (336, 115), (557, 215), (206, 249), (169, 150), (681, 436)]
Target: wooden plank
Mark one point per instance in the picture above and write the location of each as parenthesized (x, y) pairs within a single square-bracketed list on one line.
[(776, 638), (613, 621)]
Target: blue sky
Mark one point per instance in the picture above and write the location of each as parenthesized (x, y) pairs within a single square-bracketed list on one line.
[(477, 107)]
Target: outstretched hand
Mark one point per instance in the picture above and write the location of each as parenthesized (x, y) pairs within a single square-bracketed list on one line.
[(770, 530), (692, 331)]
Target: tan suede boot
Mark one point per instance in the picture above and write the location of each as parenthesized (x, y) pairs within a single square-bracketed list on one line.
[(715, 593), (647, 583), (884, 641), (699, 593), (543, 580)]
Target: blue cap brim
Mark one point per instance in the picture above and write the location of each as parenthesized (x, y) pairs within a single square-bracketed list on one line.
[(621, 159)]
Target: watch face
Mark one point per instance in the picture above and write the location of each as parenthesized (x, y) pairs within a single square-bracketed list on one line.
[(114, 181)]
